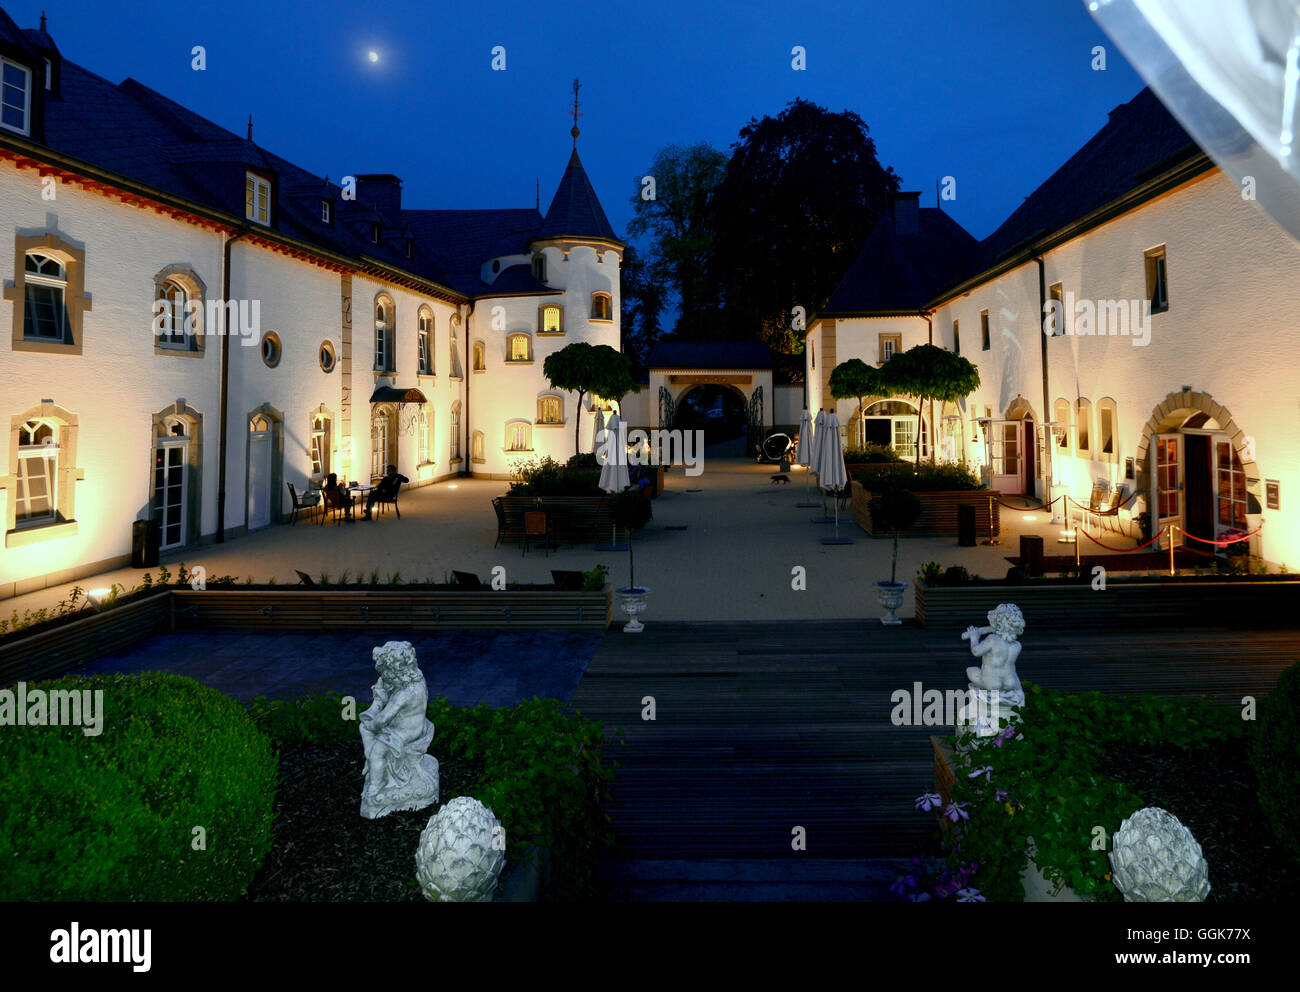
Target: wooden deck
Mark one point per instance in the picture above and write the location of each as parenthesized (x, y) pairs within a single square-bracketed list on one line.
[(764, 727)]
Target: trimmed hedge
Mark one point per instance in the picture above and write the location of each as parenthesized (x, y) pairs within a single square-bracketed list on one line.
[(1275, 755), (111, 817)]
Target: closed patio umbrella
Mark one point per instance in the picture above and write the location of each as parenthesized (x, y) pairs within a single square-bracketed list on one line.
[(803, 455), (819, 435), (613, 470), (831, 472), (600, 426)]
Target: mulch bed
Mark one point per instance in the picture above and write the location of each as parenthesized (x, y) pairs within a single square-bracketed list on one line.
[(323, 850), (1213, 792)]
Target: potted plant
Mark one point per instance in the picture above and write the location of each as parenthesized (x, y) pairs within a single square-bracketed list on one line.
[(632, 511), (895, 509)]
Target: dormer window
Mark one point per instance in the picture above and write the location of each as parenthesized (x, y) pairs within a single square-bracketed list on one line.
[(15, 97), (49, 74), (539, 267), (602, 307), (374, 232), (257, 199), (410, 247), (326, 214)]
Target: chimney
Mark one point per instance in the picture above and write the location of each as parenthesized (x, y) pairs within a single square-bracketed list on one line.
[(384, 191), (906, 210)]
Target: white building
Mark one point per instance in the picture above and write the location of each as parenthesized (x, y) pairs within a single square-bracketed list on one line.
[(1190, 409), (334, 329)]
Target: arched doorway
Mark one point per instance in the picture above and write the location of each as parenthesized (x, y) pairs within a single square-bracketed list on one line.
[(893, 424), (720, 410), (1195, 469), (265, 461)]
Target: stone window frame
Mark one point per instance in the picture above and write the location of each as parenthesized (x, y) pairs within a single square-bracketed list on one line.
[(389, 365), (539, 421), (430, 366), (75, 301), (478, 448), (1107, 403), (510, 338), (510, 427), (883, 339), (609, 303), (478, 354), (453, 444), (193, 465), (1083, 435), (1066, 445), (67, 475), (196, 290), (541, 320), (330, 441), (327, 346), (424, 437)]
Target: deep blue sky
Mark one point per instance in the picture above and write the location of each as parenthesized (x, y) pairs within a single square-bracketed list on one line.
[(997, 93)]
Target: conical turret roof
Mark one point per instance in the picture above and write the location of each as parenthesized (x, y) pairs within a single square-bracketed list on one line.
[(575, 212)]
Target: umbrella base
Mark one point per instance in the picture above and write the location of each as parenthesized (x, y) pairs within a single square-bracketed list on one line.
[(837, 540)]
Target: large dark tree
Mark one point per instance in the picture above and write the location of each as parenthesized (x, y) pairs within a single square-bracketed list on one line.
[(801, 193), (675, 221), (641, 303)]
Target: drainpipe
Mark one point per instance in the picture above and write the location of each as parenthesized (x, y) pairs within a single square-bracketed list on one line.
[(467, 370), (929, 340), (225, 387), (1047, 399)]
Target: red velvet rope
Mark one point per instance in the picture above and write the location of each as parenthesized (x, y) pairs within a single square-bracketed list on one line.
[(1224, 544)]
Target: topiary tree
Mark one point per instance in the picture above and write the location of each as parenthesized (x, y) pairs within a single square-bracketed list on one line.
[(895, 509), (589, 368), (855, 379), (929, 372)]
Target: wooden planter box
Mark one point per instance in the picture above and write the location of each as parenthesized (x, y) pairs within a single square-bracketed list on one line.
[(70, 645), (938, 511), (574, 518), (1121, 604), (262, 609)]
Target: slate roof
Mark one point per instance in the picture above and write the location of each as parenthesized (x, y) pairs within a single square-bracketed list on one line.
[(903, 272), (1140, 141), (710, 355), (136, 132), (574, 211)]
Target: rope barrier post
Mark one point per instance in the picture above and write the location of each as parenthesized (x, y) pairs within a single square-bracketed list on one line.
[(1077, 528), (1170, 531), (991, 541)]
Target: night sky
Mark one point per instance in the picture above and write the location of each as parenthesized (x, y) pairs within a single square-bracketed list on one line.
[(997, 94)]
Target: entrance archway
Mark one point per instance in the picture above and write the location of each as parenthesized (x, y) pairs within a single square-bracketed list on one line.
[(719, 409), (264, 462), (1197, 471)]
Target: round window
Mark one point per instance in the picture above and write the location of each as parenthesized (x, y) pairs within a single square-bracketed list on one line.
[(271, 349), (327, 356)]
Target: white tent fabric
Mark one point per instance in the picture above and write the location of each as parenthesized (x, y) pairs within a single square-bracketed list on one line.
[(831, 473)]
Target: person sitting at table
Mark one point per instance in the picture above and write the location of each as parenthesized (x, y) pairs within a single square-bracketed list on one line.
[(344, 499), (386, 491)]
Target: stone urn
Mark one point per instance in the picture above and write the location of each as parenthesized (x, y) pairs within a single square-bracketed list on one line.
[(890, 595), (633, 601)]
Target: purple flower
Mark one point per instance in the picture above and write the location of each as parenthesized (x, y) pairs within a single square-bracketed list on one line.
[(986, 771), (920, 897), (929, 801), (970, 895), (956, 811), (898, 888), (1000, 795), (1004, 735)]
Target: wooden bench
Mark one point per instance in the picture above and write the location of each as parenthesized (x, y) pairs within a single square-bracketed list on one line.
[(572, 519)]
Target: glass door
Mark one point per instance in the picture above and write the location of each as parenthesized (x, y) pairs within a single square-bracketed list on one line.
[(169, 491), (1166, 499), (1006, 444)]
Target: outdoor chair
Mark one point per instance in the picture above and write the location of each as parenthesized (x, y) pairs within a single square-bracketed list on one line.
[(1108, 515), (1096, 503), (303, 578), (381, 503), (501, 519), (468, 580), (332, 503), (306, 502), (537, 524)]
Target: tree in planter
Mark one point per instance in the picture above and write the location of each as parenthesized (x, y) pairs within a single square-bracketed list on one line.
[(586, 368), (632, 511), (929, 372), (855, 379), (895, 509)]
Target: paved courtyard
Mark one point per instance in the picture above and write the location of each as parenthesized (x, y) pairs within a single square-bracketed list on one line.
[(721, 546)]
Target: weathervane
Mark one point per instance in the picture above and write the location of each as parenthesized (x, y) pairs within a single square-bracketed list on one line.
[(576, 113)]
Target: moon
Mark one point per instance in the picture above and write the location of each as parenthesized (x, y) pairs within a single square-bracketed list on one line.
[(372, 55)]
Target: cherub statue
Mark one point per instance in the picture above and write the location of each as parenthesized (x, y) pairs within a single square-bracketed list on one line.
[(999, 651), (396, 735), (995, 691)]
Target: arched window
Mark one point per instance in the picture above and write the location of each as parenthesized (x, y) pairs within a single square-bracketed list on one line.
[(423, 431), (38, 473), (172, 313), (1083, 424), (602, 306), (519, 347), (519, 436), (453, 332), (426, 341), (455, 431), (321, 445), (46, 282), (539, 267), (549, 410), (550, 319), (171, 485), (893, 423), (479, 365), (384, 328), (476, 447), (378, 443), (1107, 420), (1061, 414)]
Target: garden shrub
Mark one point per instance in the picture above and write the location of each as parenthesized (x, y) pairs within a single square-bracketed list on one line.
[(111, 817), (1275, 755), (871, 453), (926, 478), (1049, 785), (547, 477)]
